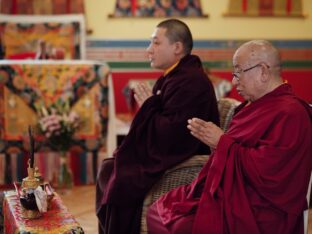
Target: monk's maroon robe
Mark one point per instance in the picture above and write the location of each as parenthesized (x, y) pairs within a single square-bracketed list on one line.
[(257, 179), (158, 139)]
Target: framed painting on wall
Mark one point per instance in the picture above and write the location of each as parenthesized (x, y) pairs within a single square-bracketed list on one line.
[(41, 7), (20, 35), (272, 8), (158, 8)]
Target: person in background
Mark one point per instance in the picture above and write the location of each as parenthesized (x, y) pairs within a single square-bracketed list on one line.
[(257, 177), (158, 138), (43, 52)]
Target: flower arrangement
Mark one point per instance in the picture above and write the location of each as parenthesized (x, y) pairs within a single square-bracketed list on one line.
[(58, 124)]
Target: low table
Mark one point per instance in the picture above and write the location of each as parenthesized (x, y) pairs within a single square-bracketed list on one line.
[(56, 220)]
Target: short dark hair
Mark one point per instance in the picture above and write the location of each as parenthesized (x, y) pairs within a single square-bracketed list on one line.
[(178, 31)]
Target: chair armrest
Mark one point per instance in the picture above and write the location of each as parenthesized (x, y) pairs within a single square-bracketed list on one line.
[(226, 108), (182, 174)]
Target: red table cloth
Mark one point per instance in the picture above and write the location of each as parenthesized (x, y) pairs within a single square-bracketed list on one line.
[(56, 220)]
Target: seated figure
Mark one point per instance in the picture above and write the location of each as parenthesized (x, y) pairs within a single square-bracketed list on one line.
[(46, 51), (43, 52), (257, 177), (158, 138)]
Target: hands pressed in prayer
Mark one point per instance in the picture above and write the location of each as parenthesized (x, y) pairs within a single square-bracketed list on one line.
[(207, 132), (142, 92)]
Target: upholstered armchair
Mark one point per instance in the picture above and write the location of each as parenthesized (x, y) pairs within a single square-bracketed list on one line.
[(185, 172)]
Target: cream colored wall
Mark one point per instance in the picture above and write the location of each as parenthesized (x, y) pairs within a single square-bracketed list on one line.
[(214, 27)]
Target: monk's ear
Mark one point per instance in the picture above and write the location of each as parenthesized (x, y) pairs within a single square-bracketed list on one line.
[(265, 72), (178, 47)]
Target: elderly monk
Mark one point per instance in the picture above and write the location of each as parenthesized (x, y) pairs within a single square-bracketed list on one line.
[(158, 138), (257, 177)]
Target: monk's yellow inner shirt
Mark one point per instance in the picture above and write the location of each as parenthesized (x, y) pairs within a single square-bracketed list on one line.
[(171, 68)]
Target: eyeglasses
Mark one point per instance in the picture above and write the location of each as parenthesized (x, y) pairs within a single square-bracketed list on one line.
[(237, 74)]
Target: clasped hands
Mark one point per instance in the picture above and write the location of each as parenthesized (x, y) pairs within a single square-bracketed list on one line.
[(207, 132), (142, 92)]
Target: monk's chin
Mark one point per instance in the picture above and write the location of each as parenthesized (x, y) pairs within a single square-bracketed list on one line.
[(153, 65)]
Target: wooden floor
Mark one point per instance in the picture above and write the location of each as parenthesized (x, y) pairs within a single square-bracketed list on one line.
[(81, 203)]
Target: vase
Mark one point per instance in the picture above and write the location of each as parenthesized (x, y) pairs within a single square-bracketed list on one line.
[(64, 180)]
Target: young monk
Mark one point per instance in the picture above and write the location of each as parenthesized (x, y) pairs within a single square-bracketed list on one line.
[(158, 138)]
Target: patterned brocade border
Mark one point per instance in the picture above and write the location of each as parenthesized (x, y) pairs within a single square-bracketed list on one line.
[(216, 54), (128, 60)]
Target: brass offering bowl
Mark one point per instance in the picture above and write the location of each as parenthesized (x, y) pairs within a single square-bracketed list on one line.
[(27, 196), (30, 182), (28, 200)]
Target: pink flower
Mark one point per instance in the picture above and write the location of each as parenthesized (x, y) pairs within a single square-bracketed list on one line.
[(73, 117), (58, 124)]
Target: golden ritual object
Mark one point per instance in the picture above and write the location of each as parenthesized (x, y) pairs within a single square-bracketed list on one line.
[(27, 196), (39, 176), (29, 184), (30, 214)]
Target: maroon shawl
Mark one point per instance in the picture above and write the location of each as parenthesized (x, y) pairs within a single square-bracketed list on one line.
[(257, 179), (158, 138)]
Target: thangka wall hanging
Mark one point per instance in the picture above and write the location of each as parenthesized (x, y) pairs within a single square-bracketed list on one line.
[(41, 7), (25, 87), (274, 8), (20, 35), (158, 8)]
